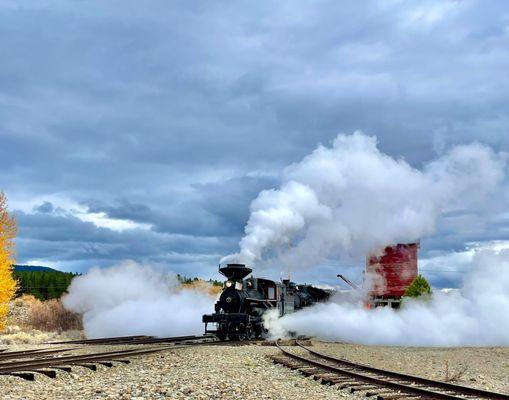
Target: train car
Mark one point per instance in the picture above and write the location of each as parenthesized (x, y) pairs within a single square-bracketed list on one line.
[(239, 311), (389, 272)]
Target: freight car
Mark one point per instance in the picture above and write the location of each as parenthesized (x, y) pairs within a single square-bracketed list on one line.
[(239, 311)]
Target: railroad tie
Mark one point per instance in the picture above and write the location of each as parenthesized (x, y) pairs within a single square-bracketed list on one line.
[(28, 376), (333, 377), (108, 364), (47, 372), (306, 372), (360, 387), (325, 378), (346, 385)]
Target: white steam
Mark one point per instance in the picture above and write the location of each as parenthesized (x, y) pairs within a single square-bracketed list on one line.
[(132, 299), (351, 197), (475, 315)]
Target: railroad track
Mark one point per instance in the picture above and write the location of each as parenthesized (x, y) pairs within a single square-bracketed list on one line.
[(50, 364), (27, 363), (36, 353), (141, 339), (385, 385)]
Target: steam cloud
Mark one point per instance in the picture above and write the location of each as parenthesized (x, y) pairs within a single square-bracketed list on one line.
[(132, 299), (353, 198), (346, 198), (476, 315)]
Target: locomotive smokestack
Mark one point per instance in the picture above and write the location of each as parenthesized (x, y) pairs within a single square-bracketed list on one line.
[(235, 272)]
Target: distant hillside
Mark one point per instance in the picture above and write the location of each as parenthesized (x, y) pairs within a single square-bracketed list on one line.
[(20, 268), (42, 282)]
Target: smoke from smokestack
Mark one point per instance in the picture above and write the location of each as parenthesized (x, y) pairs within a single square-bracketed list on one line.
[(132, 299), (475, 315), (353, 198)]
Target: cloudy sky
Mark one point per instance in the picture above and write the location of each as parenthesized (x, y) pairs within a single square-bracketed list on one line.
[(143, 130)]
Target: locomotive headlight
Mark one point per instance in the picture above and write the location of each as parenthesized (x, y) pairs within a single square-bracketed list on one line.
[(228, 284)]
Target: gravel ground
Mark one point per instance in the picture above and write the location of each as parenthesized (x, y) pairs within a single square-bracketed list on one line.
[(482, 367), (219, 372)]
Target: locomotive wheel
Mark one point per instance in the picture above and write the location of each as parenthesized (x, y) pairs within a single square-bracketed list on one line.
[(258, 331), (222, 332)]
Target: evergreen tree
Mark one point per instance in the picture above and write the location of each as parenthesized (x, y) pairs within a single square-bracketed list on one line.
[(43, 284), (418, 287)]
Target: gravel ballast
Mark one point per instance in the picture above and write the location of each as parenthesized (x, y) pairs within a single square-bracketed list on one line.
[(245, 372)]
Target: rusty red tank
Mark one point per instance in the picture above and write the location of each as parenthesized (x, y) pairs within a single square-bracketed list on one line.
[(390, 271)]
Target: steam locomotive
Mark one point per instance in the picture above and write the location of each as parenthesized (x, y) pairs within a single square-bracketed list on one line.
[(243, 302)]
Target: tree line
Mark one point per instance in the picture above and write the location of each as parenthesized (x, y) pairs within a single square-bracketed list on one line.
[(44, 285)]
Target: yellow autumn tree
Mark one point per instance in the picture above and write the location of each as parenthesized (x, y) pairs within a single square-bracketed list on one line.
[(8, 284)]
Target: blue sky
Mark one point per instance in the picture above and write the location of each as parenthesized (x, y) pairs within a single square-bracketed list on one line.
[(143, 130)]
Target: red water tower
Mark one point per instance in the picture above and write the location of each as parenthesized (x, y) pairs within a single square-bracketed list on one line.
[(389, 272)]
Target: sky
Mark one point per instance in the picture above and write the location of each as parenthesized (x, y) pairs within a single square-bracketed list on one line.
[(143, 130)]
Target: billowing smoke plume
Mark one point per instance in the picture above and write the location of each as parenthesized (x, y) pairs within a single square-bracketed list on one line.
[(353, 198), (475, 315), (131, 299)]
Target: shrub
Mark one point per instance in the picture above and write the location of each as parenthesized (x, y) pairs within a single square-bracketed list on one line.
[(50, 315)]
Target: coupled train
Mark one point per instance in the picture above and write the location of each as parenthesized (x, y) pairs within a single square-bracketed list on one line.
[(243, 302)]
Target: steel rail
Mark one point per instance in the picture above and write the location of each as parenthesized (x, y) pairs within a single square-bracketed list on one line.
[(421, 392), (31, 365), (464, 390), (34, 364), (99, 340), (168, 339), (136, 340), (29, 353)]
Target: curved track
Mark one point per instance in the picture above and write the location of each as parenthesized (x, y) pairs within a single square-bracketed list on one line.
[(27, 363), (47, 365), (385, 384)]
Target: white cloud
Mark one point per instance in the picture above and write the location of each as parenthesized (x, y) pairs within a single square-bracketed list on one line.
[(101, 220), (428, 14)]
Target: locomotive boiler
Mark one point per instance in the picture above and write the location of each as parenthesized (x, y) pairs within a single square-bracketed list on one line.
[(239, 311)]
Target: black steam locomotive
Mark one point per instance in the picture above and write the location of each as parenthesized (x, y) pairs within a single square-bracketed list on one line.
[(239, 310)]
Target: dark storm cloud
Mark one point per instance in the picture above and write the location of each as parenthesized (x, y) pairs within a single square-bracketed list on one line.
[(176, 116), (69, 242), (46, 207), (211, 209)]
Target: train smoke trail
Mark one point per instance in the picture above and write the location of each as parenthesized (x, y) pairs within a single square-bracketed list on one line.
[(130, 299), (352, 198), (475, 315)]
